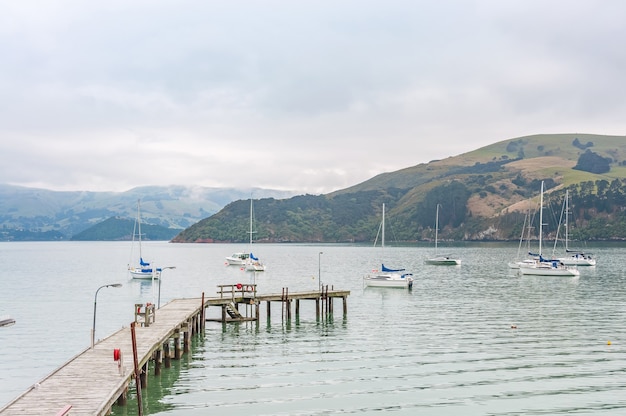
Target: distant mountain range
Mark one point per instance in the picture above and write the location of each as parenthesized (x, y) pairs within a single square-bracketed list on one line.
[(40, 214), (483, 194)]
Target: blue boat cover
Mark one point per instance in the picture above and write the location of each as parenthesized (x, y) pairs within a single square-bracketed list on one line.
[(541, 259), (253, 258), (385, 269), (143, 263)]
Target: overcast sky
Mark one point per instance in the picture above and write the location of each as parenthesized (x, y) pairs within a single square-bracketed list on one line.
[(311, 96)]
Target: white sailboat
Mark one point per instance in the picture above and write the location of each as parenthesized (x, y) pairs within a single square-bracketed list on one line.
[(237, 259), (542, 266), (143, 270), (253, 264), (441, 260), (574, 257), (387, 277), (524, 237)]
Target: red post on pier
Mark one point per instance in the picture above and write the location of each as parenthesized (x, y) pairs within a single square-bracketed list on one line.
[(136, 364)]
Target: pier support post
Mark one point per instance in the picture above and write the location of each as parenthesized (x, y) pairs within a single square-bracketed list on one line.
[(186, 337), (123, 399), (269, 310), (345, 305), (144, 375), (177, 353), (297, 308), (167, 354), (202, 314), (317, 308), (158, 356)]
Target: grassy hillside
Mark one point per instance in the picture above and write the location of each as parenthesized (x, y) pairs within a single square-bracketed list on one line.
[(483, 194)]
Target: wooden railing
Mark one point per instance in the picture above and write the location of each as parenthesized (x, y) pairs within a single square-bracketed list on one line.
[(237, 290)]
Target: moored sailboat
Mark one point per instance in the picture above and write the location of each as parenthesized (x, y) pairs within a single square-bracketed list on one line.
[(388, 277), (439, 259), (542, 266), (253, 264), (143, 270), (573, 257)]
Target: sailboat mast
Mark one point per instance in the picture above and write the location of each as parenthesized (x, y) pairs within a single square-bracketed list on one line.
[(383, 228), (139, 227), (566, 220), (250, 224), (436, 228), (540, 219)]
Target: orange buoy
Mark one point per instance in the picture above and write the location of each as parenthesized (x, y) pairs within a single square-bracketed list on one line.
[(239, 286)]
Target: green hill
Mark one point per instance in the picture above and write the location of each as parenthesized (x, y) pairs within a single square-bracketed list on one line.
[(483, 195), (122, 229)]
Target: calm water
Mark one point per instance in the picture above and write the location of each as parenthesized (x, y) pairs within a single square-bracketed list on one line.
[(470, 340)]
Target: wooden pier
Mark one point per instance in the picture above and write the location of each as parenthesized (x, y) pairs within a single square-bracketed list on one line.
[(97, 378)]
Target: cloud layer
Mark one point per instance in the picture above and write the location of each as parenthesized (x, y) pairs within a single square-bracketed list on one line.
[(311, 96)]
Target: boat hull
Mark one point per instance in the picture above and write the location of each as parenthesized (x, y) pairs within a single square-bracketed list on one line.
[(237, 259), (548, 270), (255, 267), (443, 261), (573, 261), (385, 280), (520, 264), (144, 275)]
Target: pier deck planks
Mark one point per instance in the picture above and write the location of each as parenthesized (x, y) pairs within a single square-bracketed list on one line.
[(91, 381)]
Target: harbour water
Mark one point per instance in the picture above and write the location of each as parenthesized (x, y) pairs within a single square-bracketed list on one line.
[(471, 340)]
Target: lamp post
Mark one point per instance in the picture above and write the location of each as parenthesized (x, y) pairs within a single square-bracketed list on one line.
[(95, 299), (160, 277), (319, 269)]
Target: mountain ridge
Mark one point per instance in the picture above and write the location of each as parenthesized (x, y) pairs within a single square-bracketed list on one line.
[(482, 193), (34, 213)]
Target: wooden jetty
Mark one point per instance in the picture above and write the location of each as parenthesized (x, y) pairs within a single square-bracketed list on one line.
[(94, 380)]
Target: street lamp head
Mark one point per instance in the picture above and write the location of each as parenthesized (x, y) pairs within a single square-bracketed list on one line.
[(95, 299)]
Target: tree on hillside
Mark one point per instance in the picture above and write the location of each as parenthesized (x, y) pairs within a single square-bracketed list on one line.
[(452, 197), (592, 162), (578, 144)]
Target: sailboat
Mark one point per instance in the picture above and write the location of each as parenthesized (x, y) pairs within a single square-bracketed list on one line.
[(526, 228), (253, 264), (237, 259), (388, 277), (542, 266), (574, 257), (441, 260), (143, 270)]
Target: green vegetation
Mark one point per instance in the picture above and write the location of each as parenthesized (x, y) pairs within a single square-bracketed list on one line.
[(481, 194), (122, 229)]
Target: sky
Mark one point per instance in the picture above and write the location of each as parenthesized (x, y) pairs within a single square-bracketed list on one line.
[(298, 95)]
